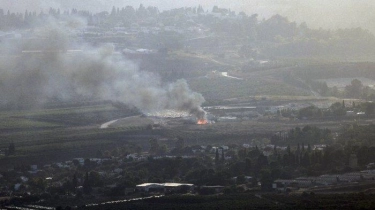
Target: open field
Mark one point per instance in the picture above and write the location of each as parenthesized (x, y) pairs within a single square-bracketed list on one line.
[(132, 122), (63, 133), (59, 134), (289, 81), (224, 88)]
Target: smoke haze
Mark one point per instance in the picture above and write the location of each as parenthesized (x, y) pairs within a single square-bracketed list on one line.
[(331, 14), (46, 70)]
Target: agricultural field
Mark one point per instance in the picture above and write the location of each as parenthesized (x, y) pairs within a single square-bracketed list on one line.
[(132, 122), (224, 88), (57, 133), (61, 133), (290, 81)]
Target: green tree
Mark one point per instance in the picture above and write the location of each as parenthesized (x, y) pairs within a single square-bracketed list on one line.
[(95, 179), (248, 165), (38, 182), (180, 143), (338, 109), (370, 108), (217, 156), (11, 149), (154, 146), (308, 148), (354, 90), (222, 155), (305, 160), (86, 184), (266, 180), (162, 150), (75, 181)]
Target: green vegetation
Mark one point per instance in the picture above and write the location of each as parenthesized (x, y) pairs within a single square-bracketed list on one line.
[(61, 131), (223, 88), (308, 135), (317, 75), (337, 110)]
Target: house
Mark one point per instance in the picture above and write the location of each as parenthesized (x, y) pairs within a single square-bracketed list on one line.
[(283, 184), (118, 170), (350, 113), (269, 150), (224, 147), (99, 160), (247, 178), (370, 165), (350, 177), (17, 186), (34, 167), (327, 179), (319, 147), (368, 174), (62, 165), (24, 178), (361, 113), (133, 156), (81, 161)]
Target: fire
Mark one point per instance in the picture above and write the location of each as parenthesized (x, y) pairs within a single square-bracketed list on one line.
[(202, 122)]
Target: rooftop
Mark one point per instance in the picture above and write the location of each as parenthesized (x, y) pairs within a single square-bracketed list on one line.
[(164, 184)]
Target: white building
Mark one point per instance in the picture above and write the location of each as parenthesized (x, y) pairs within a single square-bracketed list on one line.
[(146, 187)]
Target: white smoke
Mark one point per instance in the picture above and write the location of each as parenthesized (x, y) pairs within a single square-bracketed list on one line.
[(47, 70)]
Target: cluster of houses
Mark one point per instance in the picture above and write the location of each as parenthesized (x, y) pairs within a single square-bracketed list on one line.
[(282, 185), (110, 169)]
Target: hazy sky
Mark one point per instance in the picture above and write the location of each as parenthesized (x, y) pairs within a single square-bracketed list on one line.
[(317, 13)]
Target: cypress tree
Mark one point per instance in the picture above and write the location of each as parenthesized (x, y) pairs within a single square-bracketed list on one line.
[(217, 156), (274, 150), (86, 184), (75, 180), (303, 147), (288, 149), (222, 155), (298, 148), (308, 148)]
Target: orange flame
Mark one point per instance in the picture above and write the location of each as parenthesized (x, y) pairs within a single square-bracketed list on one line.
[(202, 122)]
